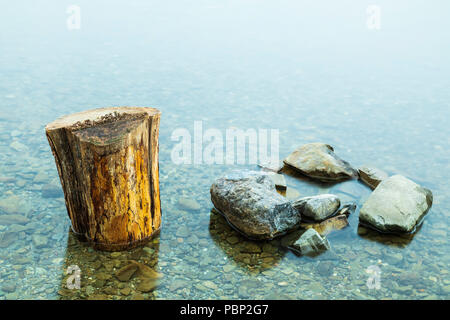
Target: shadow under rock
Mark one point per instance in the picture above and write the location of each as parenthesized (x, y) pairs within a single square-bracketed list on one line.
[(247, 254), (388, 239)]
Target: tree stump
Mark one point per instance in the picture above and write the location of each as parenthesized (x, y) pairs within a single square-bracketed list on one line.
[(107, 160)]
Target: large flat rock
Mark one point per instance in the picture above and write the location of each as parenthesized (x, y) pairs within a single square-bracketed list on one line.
[(250, 203), (318, 161), (396, 205)]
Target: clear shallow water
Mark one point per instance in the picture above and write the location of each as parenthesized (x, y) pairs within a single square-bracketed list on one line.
[(313, 71)]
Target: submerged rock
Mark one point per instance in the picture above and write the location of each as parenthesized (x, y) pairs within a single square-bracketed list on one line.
[(318, 207), (188, 204), (7, 219), (250, 203), (125, 273), (396, 205), (51, 191), (325, 227), (318, 161), (39, 241), (371, 176), (310, 243), (347, 209)]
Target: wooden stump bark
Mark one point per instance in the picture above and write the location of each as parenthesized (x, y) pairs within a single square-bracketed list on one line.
[(107, 160)]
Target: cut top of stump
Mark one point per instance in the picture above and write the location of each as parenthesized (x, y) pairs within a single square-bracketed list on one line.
[(104, 124)]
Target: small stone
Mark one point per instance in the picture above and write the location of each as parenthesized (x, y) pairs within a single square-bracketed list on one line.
[(228, 268), (232, 240), (318, 207), (177, 284), (147, 285), (19, 147), (12, 205), (310, 243), (188, 204), (115, 254), (7, 239), (9, 287), (40, 177), (39, 241), (137, 296), (371, 176), (110, 291), (208, 275), (183, 232), (51, 191), (393, 258), (209, 284), (89, 290), (125, 291), (145, 272), (125, 273), (6, 219), (325, 268)]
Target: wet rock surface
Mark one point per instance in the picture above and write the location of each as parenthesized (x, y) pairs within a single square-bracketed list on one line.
[(318, 161), (251, 204), (318, 207), (371, 176), (272, 166), (396, 205), (310, 243)]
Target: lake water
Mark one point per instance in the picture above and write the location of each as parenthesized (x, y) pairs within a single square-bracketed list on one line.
[(313, 71)]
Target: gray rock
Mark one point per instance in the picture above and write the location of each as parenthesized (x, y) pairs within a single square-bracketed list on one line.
[(310, 243), (7, 239), (371, 176), (19, 147), (396, 205), (9, 287), (318, 207), (250, 203), (325, 268), (182, 232), (318, 161), (52, 191), (188, 204), (274, 166), (7, 219)]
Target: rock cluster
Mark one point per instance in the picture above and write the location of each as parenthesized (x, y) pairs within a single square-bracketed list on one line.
[(251, 204)]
